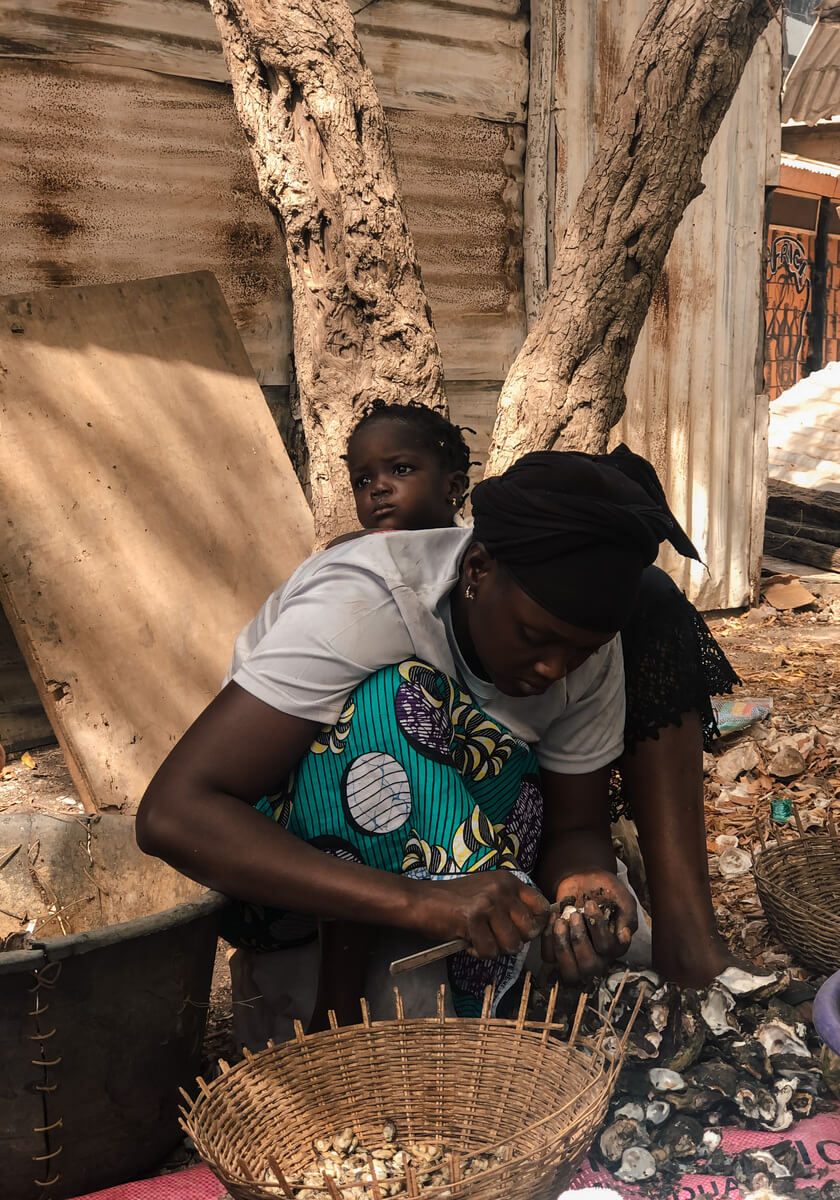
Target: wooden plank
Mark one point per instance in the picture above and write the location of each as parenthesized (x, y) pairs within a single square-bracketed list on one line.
[(787, 500), (802, 550), (828, 535), (149, 508)]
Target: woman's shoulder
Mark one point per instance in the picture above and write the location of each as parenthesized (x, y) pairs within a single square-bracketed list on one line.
[(412, 556)]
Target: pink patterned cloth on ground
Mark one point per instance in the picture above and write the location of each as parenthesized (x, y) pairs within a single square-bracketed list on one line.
[(195, 1183), (817, 1140)]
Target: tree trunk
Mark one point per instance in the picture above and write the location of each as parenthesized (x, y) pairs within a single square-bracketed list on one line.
[(319, 142), (568, 380)]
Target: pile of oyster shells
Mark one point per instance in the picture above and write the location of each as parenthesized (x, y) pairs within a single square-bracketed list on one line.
[(735, 1054), (354, 1167)]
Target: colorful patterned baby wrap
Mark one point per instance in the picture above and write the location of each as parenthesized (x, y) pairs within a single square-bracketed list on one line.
[(414, 778)]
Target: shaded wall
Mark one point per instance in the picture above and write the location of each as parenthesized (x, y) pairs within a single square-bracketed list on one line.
[(130, 98), (122, 159)]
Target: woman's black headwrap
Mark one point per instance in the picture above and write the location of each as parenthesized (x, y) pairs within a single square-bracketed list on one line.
[(576, 531)]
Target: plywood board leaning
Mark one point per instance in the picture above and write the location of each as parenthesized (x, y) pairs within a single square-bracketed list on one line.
[(148, 510)]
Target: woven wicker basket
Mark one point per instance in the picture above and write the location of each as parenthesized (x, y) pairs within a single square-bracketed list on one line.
[(480, 1084), (798, 883)]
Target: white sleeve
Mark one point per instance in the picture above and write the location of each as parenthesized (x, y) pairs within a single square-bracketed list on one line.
[(589, 733), (332, 631)]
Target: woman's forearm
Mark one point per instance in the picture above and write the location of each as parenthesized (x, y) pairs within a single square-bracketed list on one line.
[(572, 853), (576, 832), (197, 815), (241, 852)]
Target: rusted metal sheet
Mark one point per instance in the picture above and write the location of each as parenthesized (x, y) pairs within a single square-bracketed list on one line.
[(115, 174), (800, 174), (812, 87), (694, 404), (462, 185), (174, 37), (118, 174), (440, 56), (467, 58)]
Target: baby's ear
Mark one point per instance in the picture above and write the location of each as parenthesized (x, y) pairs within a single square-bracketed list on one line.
[(459, 485)]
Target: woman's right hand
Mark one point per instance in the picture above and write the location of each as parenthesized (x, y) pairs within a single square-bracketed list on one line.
[(493, 910)]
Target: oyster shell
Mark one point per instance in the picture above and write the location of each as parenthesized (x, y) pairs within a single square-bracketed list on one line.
[(802, 1105), (685, 1032), (718, 1163), (613, 981), (715, 1008), (746, 983), (632, 1110), (697, 1100), (665, 1080), (715, 1076), (346, 1142), (751, 1057), (788, 1065), (637, 1164), (683, 1136), (634, 1082), (711, 1140), (658, 1111), (752, 1162), (784, 1116), (777, 1037), (620, 1136)]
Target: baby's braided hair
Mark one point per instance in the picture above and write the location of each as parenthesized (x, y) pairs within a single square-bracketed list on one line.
[(442, 437)]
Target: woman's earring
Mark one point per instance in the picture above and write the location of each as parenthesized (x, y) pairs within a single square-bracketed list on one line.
[(469, 592), (454, 501)]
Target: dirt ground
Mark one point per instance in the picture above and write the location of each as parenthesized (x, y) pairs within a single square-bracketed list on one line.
[(39, 780), (794, 659)]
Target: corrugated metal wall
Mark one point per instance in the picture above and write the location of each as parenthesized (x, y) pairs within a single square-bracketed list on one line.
[(122, 158), (692, 391), (812, 88)]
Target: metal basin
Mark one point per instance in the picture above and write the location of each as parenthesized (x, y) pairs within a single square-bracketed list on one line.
[(99, 1025)]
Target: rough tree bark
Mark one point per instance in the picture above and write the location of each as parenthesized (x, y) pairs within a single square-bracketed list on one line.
[(318, 139), (362, 326), (568, 380)]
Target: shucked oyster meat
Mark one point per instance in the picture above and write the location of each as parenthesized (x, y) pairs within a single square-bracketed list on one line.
[(354, 1167)]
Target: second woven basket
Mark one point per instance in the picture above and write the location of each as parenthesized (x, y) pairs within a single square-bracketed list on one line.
[(798, 883)]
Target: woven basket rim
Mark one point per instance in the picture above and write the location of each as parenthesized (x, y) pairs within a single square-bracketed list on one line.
[(771, 854)]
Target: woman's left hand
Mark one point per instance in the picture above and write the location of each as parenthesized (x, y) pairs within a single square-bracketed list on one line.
[(582, 947)]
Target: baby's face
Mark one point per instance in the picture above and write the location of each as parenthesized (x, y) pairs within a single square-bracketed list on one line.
[(398, 483)]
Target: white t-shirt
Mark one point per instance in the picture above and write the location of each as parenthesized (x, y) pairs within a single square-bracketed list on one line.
[(375, 601)]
